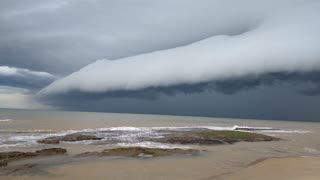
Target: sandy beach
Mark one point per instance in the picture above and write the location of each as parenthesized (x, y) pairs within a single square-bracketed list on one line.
[(293, 168), (241, 160), (305, 168)]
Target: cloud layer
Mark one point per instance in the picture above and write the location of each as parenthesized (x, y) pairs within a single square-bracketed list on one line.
[(24, 78), (61, 36), (285, 41), (244, 58)]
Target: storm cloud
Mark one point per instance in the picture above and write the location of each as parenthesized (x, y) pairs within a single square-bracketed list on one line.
[(62, 36), (24, 78), (285, 42), (165, 56)]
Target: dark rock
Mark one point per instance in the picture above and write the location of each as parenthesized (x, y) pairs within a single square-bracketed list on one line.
[(51, 151), (85, 154), (6, 157), (191, 140), (69, 137), (214, 137), (15, 155), (141, 152), (79, 137), (50, 140), (19, 169), (3, 163)]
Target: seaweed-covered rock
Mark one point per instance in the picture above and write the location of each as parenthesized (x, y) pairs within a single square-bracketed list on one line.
[(20, 169), (51, 151), (85, 154), (6, 157), (139, 152), (191, 140), (3, 163), (69, 137), (15, 155), (79, 137), (214, 137), (50, 140)]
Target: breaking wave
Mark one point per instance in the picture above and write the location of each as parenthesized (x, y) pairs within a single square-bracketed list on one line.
[(122, 136)]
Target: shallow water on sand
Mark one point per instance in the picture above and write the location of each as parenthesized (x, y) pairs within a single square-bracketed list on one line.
[(20, 129)]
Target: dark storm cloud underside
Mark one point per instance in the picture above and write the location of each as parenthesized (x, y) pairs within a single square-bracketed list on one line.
[(156, 100), (254, 100), (268, 97), (28, 82)]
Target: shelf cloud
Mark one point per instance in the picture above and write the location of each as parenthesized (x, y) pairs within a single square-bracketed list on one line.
[(285, 42), (181, 57)]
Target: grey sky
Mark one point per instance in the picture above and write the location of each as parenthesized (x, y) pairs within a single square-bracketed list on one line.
[(212, 53), (61, 36)]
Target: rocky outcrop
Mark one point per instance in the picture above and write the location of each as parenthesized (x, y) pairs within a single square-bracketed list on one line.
[(6, 157), (214, 137), (191, 140), (79, 137), (3, 163), (69, 137), (20, 169), (203, 137), (51, 152), (141, 152), (50, 140)]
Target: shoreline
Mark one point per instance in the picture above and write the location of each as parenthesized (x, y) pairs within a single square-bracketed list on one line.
[(293, 168), (139, 155)]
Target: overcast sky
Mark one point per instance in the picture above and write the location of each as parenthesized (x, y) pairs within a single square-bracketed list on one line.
[(226, 58)]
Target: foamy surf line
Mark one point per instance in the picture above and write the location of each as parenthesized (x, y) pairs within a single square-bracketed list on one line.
[(181, 128), (191, 128), (123, 135), (5, 120)]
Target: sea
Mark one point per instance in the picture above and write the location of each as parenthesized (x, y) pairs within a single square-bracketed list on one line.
[(21, 129)]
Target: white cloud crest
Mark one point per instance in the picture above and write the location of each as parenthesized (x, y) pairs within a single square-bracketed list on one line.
[(286, 41)]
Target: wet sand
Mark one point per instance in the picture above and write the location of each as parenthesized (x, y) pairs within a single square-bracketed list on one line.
[(163, 169), (171, 168), (279, 168)]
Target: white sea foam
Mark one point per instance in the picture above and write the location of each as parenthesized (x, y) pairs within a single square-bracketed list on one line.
[(311, 150), (124, 136), (125, 128), (285, 131), (259, 129), (181, 128), (20, 144), (5, 120)]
